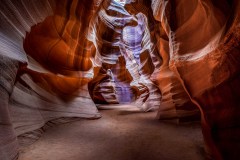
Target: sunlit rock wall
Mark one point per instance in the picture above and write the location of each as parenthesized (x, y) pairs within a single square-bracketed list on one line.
[(204, 55), (59, 66), (175, 102), (46, 88), (61, 58), (123, 41)]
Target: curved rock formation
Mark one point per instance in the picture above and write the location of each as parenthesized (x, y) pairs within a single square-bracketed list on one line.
[(122, 39), (204, 46), (59, 58), (41, 93)]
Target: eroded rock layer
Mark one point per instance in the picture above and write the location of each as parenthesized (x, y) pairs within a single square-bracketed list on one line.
[(204, 55), (59, 58)]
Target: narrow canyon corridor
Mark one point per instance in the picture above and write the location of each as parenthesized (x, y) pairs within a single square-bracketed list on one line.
[(119, 79), (119, 135)]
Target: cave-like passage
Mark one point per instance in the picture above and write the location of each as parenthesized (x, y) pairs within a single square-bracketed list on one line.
[(128, 65), (123, 77)]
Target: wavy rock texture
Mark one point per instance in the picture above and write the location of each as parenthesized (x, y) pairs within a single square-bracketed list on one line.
[(60, 58), (123, 42), (204, 55), (8, 140), (41, 92), (175, 103)]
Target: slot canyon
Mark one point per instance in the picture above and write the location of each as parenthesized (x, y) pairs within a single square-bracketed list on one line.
[(119, 79)]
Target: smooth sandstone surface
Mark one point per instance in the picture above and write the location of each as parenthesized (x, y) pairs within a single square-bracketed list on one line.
[(59, 59)]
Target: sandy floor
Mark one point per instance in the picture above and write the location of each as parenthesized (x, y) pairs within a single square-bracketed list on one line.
[(119, 136)]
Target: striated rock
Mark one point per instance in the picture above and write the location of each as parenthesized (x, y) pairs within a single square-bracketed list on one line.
[(122, 40), (175, 102), (204, 46), (59, 58), (8, 139), (59, 42), (42, 93)]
